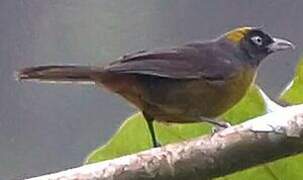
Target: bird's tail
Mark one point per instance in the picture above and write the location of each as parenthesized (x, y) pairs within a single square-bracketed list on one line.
[(70, 73)]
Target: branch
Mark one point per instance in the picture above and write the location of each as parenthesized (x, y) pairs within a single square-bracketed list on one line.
[(263, 139)]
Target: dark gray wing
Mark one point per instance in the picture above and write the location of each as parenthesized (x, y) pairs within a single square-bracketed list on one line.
[(186, 62)]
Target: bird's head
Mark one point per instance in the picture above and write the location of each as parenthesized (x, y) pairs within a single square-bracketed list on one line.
[(255, 43)]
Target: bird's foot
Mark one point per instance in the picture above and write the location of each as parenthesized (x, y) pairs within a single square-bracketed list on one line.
[(157, 144), (222, 126), (219, 124)]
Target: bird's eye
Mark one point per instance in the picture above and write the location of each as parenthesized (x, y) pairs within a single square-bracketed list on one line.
[(257, 40)]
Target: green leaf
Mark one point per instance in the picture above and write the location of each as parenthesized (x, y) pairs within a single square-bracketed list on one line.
[(293, 94), (283, 169), (133, 135), (287, 168), (256, 173), (252, 105)]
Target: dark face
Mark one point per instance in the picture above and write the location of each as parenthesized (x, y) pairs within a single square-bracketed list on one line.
[(258, 44)]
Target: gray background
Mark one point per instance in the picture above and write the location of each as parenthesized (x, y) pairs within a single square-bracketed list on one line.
[(44, 127)]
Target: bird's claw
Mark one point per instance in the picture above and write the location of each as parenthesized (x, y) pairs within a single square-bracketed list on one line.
[(222, 126)]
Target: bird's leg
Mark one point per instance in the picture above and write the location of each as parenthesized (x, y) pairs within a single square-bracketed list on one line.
[(219, 125), (150, 125)]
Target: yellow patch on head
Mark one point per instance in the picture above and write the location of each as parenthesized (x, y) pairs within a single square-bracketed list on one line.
[(237, 34)]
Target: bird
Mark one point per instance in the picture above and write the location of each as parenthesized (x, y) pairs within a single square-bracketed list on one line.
[(196, 81)]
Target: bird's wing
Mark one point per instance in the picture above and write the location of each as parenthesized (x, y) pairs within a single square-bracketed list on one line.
[(186, 62)]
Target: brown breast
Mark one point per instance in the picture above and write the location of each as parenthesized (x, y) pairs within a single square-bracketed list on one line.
[(179, 101), (185, 101)]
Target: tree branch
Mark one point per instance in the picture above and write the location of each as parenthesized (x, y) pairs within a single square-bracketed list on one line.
[(264, 139)]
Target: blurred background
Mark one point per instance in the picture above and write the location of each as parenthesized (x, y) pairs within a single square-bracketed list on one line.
[(46, 128)]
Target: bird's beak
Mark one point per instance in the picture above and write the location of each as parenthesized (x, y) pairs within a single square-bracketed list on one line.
[(280, 45)]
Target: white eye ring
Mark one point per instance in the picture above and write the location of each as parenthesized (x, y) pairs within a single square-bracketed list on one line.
[(257, 40)]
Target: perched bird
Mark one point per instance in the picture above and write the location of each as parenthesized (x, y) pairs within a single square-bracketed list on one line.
[(195, 82)]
